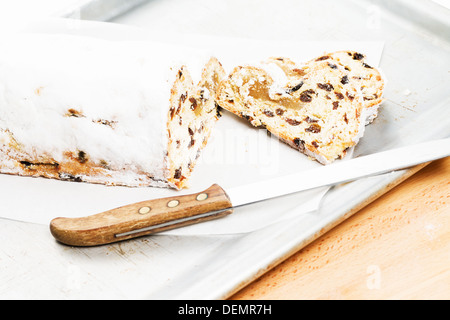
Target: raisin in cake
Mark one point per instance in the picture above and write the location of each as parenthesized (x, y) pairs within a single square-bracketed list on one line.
[(108, 112), (320, 107)]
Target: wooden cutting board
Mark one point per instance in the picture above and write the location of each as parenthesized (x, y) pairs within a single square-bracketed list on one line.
[(398, 247)]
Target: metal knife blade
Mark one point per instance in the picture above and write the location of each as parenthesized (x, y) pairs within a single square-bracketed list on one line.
[(341, 172), (158, 215)]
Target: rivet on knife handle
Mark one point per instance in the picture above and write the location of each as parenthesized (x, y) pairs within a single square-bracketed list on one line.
[(143, 218)]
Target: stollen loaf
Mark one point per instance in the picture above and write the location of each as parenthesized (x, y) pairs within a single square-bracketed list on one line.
[(126, 113)]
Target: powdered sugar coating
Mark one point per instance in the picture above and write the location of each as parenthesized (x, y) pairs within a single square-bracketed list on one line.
[(109, 99)]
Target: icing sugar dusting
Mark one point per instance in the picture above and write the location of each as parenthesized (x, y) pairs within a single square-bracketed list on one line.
[(109, 99)]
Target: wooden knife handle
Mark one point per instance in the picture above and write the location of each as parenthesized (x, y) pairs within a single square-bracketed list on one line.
[(154, 215)]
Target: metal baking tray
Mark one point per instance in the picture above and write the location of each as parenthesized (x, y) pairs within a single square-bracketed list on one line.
[(99, 10), (416, 61)]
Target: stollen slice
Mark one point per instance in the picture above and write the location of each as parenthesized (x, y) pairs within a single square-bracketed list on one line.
[(319, 108)]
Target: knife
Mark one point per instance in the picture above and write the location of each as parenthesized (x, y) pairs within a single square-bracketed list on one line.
[(157, 215)]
